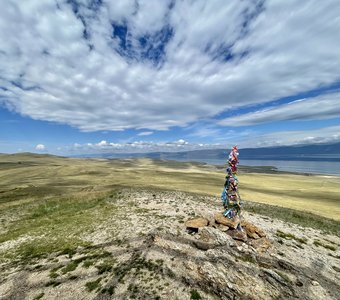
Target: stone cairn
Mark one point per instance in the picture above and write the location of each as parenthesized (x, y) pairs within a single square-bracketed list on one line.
[(230, 221)]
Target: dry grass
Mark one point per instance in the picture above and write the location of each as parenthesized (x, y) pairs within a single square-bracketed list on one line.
[(24, 177)]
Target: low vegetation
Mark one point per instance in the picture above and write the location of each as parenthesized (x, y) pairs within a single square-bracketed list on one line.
[(322, 244), (290, 236), (93, 285), (48, 176), (302, 218), (195, 295), (50, 208), (44, 197)]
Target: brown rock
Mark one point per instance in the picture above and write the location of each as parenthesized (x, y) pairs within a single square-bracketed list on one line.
[(261, 245), (232, 223), (222, 227), (211, 238), (196, 223), (252, 235), (215, 236), (238, 235), (252, 230)]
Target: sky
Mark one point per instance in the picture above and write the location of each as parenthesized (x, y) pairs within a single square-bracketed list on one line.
[(92, 76)]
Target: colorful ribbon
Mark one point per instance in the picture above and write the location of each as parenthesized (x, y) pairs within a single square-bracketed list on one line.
[(230, 196)]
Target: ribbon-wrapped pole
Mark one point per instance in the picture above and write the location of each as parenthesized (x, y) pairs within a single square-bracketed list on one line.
[(230, 197)]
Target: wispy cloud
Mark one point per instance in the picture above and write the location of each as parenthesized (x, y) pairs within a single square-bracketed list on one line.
[(322, 107), (246, 139), (114, 65), (294, 137), (145, 133)]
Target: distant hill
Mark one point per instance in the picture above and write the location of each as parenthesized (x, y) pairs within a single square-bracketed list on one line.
[(319, 152)]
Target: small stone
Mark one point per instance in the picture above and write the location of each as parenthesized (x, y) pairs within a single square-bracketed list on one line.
[(237, 235), (232, 223), (299, 283), (196, 223), (252, 230), (261, 245), (222, 227), (211, 237), (275, 276), (315, 283)]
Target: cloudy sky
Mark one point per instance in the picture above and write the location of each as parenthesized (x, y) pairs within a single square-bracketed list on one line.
[(79, 76)]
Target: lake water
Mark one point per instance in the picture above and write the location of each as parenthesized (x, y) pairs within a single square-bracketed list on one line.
[(314, 167)]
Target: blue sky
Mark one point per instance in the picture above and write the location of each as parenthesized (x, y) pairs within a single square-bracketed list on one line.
[(92, 76)]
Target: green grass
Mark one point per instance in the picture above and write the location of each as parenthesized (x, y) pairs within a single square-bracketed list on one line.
[(73, 215), (70, 267), (88, 263), (68, 251), (48, 203), (93, 285), (109, 290), (290, 236), (319, 243), (55, 176), (194, 294), (106, 265), (248, 258), (37, 249), (39, 296), (45, 222), (53, 275), (53, 283), (301, 218), (138, 264), (284, 276)]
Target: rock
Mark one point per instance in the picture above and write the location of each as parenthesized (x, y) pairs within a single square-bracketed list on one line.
[(196, 223), (252, 235), (275, 276), (222, 227), (298, 283), (213, 235), (261, 245), (232, 223), (238, 235), (287, 265), (252, 230), (216, 280), (315, 283)]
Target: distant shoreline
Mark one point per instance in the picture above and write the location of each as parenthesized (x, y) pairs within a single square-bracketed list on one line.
[(280, 166)]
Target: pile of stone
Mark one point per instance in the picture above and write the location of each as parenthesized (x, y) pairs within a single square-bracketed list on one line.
[(224, 231), (228, 226)]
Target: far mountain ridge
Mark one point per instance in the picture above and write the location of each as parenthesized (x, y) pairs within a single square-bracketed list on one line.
[(327, 152)]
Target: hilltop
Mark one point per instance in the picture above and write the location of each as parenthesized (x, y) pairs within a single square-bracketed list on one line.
[(116, 229)]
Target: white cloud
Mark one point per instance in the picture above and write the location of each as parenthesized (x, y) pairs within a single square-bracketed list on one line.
[(145, 133), (181, 142), (69, 67), (293, 137), (103, 144), (140, 147), (40, 147), (247, 139), (321, 107)]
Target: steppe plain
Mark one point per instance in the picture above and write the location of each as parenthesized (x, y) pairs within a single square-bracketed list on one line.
[(115, 229)]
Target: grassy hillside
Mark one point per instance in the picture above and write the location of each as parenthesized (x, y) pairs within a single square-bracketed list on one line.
[(24, 177), (80, 227)]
